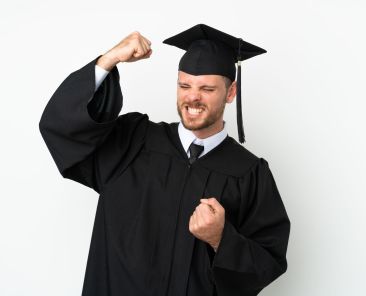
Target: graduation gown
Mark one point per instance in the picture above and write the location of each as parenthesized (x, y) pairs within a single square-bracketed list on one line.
[(141, 244)]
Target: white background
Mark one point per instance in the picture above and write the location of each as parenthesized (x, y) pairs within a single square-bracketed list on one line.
[(304, 112)]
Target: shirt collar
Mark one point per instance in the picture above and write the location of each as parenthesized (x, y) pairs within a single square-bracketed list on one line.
[(187, 137)]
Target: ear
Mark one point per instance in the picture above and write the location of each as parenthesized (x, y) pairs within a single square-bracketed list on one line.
[(231, 93)]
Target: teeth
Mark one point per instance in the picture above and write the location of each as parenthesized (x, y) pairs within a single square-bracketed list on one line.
[(194, 111)]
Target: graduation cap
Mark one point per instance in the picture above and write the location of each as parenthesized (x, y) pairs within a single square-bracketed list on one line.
[(210, 51)]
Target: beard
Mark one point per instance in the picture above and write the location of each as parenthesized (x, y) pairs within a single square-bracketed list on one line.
[(202, 122)]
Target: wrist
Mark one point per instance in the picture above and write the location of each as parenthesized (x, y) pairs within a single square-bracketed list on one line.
[(214, 246), (107, 62)]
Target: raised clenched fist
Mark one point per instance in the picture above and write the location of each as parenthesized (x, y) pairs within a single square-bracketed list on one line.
[(132, 48)]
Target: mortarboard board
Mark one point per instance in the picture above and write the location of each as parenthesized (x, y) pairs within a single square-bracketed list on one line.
[(210, 51)]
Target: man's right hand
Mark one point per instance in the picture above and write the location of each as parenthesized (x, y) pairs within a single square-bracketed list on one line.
[(132, 48)]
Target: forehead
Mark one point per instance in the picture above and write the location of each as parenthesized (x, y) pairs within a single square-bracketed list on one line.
[(184, 77)]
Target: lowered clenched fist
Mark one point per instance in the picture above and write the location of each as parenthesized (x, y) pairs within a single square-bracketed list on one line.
[(132, 48), (207, 221)]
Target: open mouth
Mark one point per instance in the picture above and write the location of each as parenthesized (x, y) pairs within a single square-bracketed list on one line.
[(194, 111)]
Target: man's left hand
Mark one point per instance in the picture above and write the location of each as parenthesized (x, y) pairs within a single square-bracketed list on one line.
[(207, 221)]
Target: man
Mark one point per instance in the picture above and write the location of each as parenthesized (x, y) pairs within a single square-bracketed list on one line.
[(183, 208)]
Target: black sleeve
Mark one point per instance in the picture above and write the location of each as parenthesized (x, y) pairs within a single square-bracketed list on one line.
[(253, 254), (87, 138)]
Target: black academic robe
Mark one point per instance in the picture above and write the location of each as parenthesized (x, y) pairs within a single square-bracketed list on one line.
[(141, 244)]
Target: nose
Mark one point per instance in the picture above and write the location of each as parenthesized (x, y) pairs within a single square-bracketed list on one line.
[(193, 95)]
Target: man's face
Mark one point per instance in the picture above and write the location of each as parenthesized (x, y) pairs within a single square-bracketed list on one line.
[(201, 100)]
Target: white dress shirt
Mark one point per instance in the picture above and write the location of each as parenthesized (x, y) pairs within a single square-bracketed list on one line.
[(100, 74), (186, 136)]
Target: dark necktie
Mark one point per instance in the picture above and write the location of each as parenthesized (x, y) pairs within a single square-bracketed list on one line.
[(194, 151)]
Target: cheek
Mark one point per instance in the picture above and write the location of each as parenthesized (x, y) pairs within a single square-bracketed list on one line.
[(179, 97), (218, 101), (181, 94)]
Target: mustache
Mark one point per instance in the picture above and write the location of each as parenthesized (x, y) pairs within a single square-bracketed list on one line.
[(193, 105)]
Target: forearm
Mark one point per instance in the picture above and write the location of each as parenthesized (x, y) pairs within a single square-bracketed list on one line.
[(107, 61)]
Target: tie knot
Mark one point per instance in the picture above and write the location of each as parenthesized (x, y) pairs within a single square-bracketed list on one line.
[(195, 151)]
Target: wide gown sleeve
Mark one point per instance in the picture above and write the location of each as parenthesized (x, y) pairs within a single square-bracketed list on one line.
[(87, 138), (253, 254)]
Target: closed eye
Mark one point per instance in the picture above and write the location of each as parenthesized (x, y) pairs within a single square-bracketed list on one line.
[(183, 85)]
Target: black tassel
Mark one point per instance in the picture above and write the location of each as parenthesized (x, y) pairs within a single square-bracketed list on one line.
[(239, 116)]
